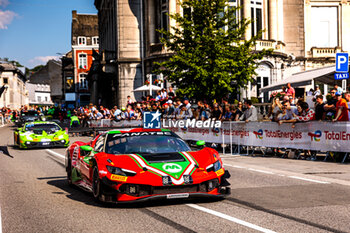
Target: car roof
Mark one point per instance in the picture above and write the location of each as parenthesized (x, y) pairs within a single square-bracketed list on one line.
[(136, 130)]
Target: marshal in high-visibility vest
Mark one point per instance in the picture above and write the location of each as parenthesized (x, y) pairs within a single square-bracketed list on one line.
[(74, 121)]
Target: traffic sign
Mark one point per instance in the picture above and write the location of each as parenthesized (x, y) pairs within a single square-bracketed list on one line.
[(338, 76), (342, 62)]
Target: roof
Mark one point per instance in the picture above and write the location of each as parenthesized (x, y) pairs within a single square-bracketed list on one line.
[(323, 75), (84, 24), (46, 73), (13, 68)]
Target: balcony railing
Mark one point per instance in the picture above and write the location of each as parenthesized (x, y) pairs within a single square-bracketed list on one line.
[(277, 46), (324, 52)]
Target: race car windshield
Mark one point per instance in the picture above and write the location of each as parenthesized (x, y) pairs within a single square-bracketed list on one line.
[(155, 144), (38, 128), (30, 113)]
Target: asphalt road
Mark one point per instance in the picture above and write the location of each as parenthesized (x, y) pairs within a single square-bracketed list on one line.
[(268, 195)]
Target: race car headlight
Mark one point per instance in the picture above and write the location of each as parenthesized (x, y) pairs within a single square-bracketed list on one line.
[(214, 167), (120, 171), (115, 170)]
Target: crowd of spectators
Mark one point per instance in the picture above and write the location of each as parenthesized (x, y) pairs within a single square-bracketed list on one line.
[(284, 108)]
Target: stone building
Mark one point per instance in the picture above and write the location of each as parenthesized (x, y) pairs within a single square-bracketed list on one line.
[(129, 42), (14, 80), (84, 39), (45, 85)]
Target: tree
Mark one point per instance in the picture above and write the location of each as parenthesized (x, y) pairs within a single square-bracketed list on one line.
[(210, 58)]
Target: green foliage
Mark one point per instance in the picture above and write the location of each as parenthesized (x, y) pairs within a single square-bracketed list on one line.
[(209, 62), (254, 100)]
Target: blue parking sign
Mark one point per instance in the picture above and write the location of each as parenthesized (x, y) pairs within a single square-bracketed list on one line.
[(342, 62)]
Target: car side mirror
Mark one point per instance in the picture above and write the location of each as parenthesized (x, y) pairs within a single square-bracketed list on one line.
[(200, 143), (86, 148)]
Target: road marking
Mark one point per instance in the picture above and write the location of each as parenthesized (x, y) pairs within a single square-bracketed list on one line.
[(257, 170), (230, 218), (306, 179), (55, 153), (272, 173), (233, 165)]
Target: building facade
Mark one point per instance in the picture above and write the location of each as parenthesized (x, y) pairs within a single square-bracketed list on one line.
[(292, 28), (15, 94), (84, 40), (45, 85)]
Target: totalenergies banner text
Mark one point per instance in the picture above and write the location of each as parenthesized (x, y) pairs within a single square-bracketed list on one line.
[(321, 136)]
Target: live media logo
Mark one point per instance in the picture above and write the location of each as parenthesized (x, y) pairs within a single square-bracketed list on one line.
[(151, 120)]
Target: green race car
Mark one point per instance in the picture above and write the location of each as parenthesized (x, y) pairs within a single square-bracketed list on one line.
[(40, 134)]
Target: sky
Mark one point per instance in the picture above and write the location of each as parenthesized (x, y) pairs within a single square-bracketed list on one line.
[(35, 31)]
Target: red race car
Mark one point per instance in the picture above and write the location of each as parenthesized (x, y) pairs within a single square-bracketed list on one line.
[(145, 164)]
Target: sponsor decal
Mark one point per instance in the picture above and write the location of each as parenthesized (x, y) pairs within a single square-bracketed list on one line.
[(315, 136), (151, 120), (191, 123), (119, 178), (177, 195), (259, 134), (163, 133), (220, 172), (102, 172), (337, 136), (172, 167), (36, 140), (279, 134)]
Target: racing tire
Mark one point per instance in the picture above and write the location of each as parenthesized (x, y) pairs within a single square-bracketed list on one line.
[(69, 171), (96, 184)]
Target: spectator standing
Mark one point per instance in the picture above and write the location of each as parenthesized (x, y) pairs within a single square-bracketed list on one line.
[(338, 88), (341, 109), (129, 100), (317, 91), (216, 113), (330, 106), (320, 112), (290, 91), (250, 114), (171, 93), (347, 98)]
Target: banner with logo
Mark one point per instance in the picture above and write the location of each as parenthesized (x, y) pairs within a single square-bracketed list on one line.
[(321, 136), (316, 135)]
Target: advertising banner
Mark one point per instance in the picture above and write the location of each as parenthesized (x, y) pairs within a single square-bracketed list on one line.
[(320, 136)]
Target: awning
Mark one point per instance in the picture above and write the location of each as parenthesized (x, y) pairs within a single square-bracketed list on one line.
[(148, 88), (323, 75)]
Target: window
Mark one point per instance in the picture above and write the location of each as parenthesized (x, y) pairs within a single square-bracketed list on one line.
[(46, 99), (164, 19), (82, 61), (39, 99), (6, 81), (256, 16), (83, 83), (232, 4), (81, 40), (95, 40), (324, 27)]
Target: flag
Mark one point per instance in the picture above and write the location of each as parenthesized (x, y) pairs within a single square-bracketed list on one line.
[(2, 89)]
